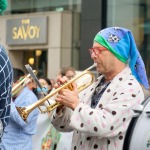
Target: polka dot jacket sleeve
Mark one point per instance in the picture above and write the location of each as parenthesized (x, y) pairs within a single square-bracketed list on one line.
[(113, 113), (61, 121)]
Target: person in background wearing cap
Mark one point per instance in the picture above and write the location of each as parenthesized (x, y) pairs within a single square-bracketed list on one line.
[(6, 77), (100, 117)]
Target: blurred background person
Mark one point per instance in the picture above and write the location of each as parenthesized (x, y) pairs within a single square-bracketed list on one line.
[(52, 82), (69, 72), (46, 87), (18, 134), (5, 82), (46, 137)]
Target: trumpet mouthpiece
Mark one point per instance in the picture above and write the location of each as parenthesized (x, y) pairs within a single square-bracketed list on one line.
[(95, 64)]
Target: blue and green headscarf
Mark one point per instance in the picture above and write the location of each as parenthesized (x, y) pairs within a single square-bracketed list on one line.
[(121, 43)]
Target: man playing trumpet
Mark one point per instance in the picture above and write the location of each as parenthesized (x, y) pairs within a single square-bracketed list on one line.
[(100, 117)]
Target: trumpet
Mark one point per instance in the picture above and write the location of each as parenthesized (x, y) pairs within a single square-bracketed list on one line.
[(21, 84), (25, 111)]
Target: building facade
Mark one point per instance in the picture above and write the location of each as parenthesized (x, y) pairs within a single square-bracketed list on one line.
[(52, 34), (42, 40)]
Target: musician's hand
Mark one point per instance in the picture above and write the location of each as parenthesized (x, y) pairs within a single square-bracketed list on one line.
[(67, 97), (60, 82)]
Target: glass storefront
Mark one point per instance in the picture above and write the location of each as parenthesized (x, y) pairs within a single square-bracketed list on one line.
[(134, 15), (37, 59), (29, 6)]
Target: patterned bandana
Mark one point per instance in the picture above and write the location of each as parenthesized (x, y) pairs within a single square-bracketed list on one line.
[(120, 42)]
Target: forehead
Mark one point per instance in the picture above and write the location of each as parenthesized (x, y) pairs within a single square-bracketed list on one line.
[(70, 72), (95, 44), (43, 82)]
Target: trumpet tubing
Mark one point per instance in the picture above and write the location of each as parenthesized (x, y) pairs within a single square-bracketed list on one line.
[(25, 111), (16, 88)]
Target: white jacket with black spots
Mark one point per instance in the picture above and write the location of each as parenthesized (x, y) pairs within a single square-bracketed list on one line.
[(104, 127)]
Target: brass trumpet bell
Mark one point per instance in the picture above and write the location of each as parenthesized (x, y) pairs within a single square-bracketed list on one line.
[(25, 111)]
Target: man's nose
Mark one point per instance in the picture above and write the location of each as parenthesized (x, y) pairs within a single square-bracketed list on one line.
[(93, 55)]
